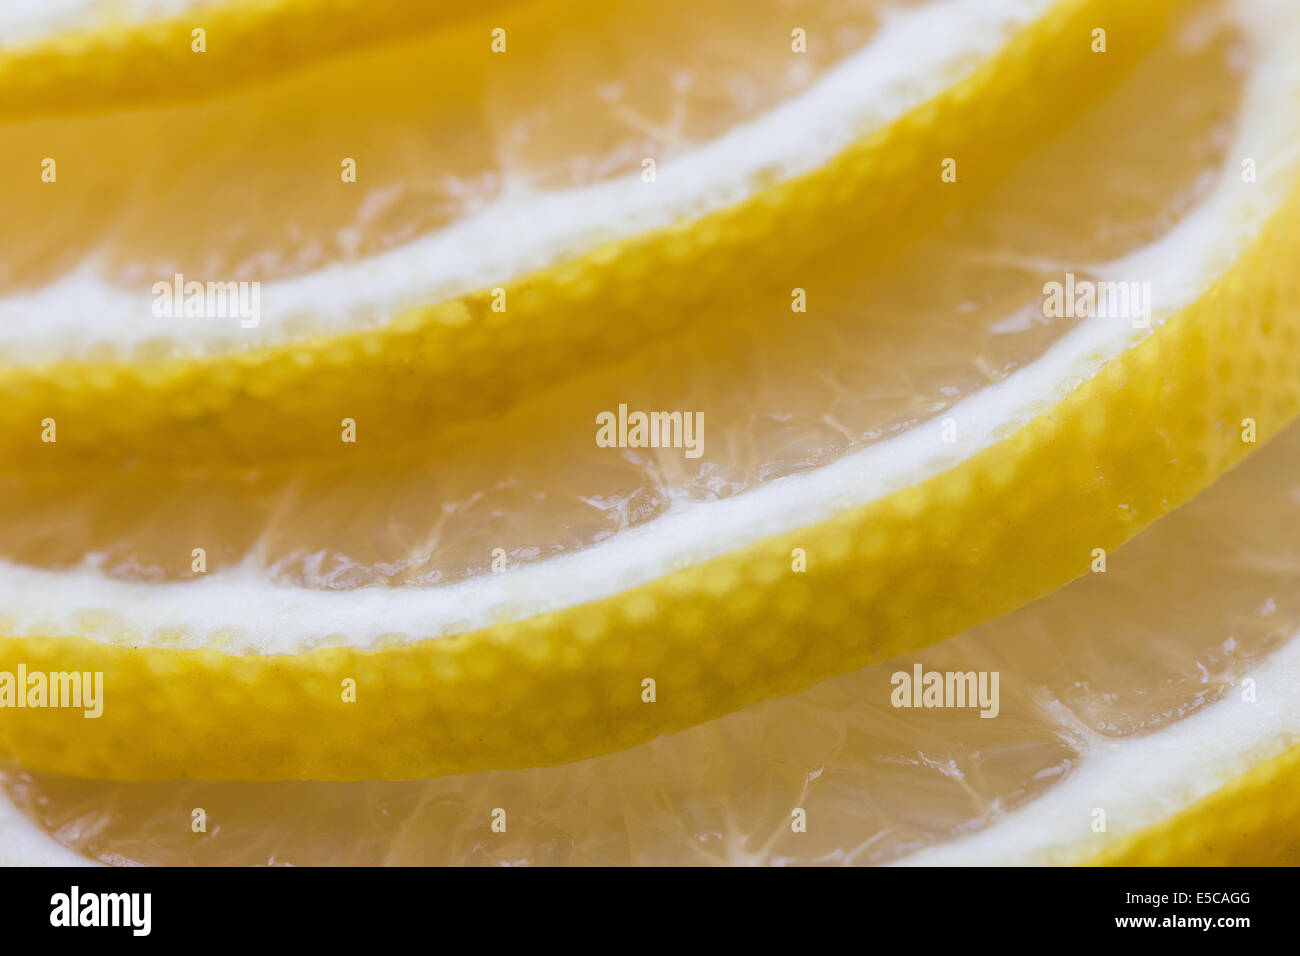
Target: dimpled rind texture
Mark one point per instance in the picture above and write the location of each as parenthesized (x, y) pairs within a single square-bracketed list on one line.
[(1254, 820), (459, 358), (247, 40), (1010, 524)]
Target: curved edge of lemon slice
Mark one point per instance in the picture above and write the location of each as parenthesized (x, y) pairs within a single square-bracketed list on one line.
[(1215, 788), (1249, 822)]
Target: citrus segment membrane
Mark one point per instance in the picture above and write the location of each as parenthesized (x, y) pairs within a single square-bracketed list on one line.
[(1125, 691)]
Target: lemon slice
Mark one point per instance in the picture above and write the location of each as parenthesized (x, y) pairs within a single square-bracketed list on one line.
[(1074, 452), (888, 345), (463, 134), (1147, 714), (406, 315), (285, 211)]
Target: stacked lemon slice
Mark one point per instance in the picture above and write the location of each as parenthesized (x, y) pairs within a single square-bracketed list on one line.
[(311, 350)]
